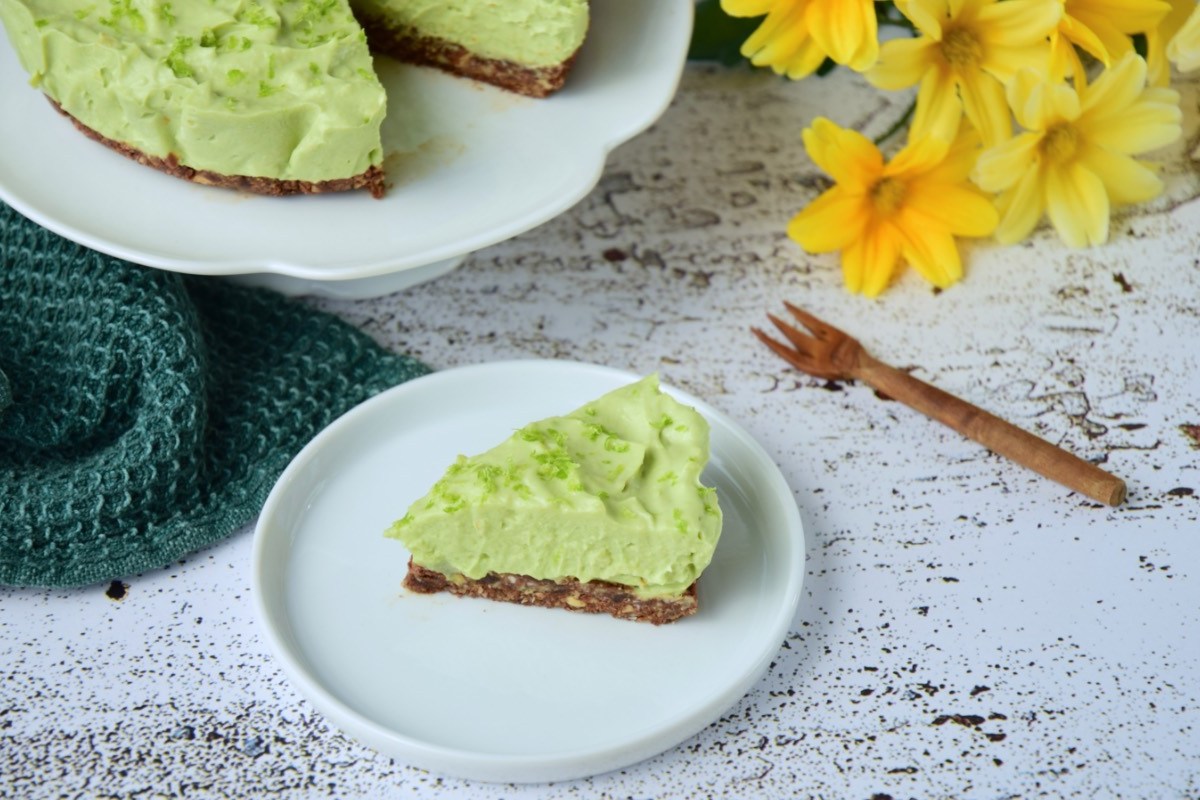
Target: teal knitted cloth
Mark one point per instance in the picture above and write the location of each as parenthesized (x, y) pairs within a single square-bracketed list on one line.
[(144, 414)]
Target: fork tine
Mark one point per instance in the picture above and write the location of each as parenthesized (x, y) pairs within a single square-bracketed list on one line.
[(802, 341), (821, 329), (799, 360), (783, 351)]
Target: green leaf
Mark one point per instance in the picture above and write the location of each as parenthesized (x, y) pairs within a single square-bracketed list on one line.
[(1140, 45), (718, 36)]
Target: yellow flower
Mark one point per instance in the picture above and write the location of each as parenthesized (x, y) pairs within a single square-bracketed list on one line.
[(798, 35), (967, 51), (1075, 157), (878, 213), (1163, 36), (1184, 48), (1100, 28)]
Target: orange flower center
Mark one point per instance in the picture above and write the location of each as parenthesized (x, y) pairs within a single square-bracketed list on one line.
[(1059, 143), (887, 195), (961, 48)]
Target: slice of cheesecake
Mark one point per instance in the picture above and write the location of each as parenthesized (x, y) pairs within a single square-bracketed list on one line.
[(525, 46), (271, 97), (600, 510)]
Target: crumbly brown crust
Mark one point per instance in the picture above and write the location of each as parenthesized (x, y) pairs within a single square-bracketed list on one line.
[(405, 44), (596, 597), (372, 179)]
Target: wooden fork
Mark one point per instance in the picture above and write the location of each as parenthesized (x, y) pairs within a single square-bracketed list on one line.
[(831, 354)]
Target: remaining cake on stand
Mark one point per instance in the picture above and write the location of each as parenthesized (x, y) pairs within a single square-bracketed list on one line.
[(271, 97)]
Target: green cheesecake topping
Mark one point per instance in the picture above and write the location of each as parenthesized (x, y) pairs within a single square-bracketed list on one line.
[(282, 90), (533, 33), (608, 492)]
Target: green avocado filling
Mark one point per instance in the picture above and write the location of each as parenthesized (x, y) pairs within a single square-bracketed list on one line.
[(282, 90), (608, 492)]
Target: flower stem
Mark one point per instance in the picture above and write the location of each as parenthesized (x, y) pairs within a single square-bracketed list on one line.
[(897, 125)]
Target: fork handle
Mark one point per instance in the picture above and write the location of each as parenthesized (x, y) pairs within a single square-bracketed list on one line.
[(992, 432)]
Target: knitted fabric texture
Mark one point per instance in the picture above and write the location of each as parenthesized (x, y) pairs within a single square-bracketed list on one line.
[(145, 415)]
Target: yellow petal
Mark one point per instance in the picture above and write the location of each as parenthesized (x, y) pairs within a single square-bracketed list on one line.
[(957, 9), (1077, 205), (868, 50), (747, 8), (1120, 114), (1065, 62), (1021, 96), (1125, 16), (1000, 167), (1182, 12), (959, 210), (1004, 61), (926, 16), (931, 251), (939, 111), (1184, 47), (1125, 180), (902, 63), (804, 62), (1140, 128), (984, 104), (1085, 37), (1159, 94), (842, 27), (1159, 37), (921, 155), (831, 222), (868, 263), (785, 18), (1038, 104), (960, 159), (1158, 68), (846, 155), (781, 50), (1116, 88), (1021, 207), (1017, 22)]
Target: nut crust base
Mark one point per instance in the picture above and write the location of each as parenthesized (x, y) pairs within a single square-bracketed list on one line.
[(595, 597), (404, 44)]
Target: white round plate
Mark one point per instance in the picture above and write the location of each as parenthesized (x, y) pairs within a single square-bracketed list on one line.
[(468, 166), (492, 691)]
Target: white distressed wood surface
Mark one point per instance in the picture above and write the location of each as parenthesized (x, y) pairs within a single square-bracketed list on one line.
[(967, 629)]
